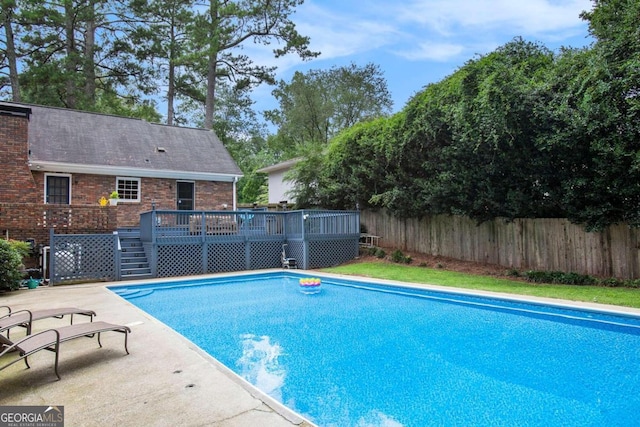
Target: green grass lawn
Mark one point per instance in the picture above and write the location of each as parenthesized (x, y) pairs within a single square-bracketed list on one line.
[(629, 297)]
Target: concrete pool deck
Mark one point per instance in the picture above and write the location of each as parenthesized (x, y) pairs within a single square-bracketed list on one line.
[(165, 381)]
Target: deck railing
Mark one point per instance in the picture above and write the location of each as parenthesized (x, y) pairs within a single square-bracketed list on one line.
[(196, 242), (161, 226), (180, 243)]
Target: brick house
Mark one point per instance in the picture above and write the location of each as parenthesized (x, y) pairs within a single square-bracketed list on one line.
[(57, 164)]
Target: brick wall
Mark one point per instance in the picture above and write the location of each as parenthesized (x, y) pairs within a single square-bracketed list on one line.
[(162, 193), (88, 189), (22, 221), (84, 215), (17, 184), (212, 195)]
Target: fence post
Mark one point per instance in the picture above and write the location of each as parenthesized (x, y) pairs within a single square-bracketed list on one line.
[(52, 255), (117, 251), (153, 226), (204, 248), (305, 243), (203, 226)]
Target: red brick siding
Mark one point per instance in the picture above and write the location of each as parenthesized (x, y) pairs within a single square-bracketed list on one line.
[(17, 184), (212, 195), (209, 195), (88, 189), (23, 221), (33, 221), (162, 192)]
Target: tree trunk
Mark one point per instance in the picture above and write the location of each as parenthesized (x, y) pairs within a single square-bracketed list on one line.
[(214, 45), (171, 90), (211, 92), (11, 55), (89, 64), (72, 57), (171, 93)]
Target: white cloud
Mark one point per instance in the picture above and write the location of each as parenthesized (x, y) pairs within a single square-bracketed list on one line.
[(404, 36), (435, 30), (342, 34), (532, 17), (336, 34)]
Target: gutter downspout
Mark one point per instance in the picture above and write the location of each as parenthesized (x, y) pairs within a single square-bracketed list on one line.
[(235, 181)]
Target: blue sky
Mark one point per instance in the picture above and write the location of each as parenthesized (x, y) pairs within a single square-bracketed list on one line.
[(417, 42)]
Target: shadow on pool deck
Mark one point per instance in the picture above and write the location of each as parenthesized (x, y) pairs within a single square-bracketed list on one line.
[(165, 381)]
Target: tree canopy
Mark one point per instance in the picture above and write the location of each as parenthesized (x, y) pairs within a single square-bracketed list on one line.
[(518, 132), (315, 106), (70, 53), (521, 132)]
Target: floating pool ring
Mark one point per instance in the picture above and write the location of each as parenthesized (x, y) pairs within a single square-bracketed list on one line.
[(311, 282), (310, 285)]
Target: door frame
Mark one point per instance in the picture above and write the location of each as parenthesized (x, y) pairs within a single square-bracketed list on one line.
[(193, 195)]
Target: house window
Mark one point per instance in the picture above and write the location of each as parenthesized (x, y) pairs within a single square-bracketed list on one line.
[(128, 189), (57, 189)]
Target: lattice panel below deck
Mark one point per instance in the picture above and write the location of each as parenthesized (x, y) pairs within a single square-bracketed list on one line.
[(327, 253), (265, 255), (179, 260), (223, 257)]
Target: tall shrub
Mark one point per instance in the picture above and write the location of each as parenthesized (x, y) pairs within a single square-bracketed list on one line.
[(11, 254)]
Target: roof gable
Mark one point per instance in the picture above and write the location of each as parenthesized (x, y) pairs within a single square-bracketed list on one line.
[(283, 166), (116, 144)]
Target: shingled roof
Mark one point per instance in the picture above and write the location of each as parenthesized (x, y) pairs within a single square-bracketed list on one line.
[(65, 140)]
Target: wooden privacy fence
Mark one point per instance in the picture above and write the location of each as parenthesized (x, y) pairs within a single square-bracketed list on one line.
[(526, 244)]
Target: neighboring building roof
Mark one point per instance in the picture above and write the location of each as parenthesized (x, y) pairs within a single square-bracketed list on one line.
[(279, 187), (62, 140), (280, 166)]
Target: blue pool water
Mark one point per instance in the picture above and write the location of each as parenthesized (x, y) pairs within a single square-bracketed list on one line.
[(361, 354)]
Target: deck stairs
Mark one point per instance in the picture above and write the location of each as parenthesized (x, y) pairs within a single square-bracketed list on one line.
[(133, 259)]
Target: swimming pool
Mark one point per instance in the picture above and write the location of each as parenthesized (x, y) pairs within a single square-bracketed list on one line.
[(361, 353)]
